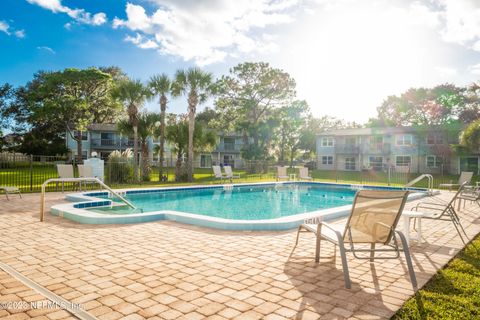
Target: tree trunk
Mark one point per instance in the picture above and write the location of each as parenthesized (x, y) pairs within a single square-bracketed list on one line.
[(163, 107), (145, 166), (79, 147), (192, 104), (135, 153), (178, 167)]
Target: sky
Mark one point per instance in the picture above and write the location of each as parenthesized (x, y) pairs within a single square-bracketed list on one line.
[(346, 56)]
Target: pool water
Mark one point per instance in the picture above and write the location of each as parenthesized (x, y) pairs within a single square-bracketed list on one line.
[(241, 202)]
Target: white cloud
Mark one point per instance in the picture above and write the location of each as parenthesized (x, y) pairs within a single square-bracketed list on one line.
[(206, 31), (6, 28), (45, 48), (20, 34), (79, 15), (474, 69)]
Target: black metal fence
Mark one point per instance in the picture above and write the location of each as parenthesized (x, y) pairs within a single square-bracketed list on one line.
[(28, 172)]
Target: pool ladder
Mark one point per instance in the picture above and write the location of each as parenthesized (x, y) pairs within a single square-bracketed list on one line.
[(421, 177)]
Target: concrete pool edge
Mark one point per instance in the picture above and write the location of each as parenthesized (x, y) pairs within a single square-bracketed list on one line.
[(77, 211)]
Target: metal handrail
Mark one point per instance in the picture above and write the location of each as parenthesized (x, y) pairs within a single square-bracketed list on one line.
[(421, 177), (100, 182)]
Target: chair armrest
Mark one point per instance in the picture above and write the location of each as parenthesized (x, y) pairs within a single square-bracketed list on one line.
[(430, 205)]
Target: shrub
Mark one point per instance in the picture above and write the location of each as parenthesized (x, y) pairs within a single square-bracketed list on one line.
[(120, 166)]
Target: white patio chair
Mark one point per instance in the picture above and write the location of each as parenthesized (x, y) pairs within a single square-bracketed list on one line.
[(443, 212), (85, 171), (282, 173), (10, 190), (217, 172), (372, 221), (465, 178), (65, 171), (229, 173), (303, 174)]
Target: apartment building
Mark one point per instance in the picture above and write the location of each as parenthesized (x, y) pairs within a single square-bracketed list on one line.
[(403, 149), (105, 138)]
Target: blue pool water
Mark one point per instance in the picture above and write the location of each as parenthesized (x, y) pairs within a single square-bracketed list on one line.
[(242, 202)]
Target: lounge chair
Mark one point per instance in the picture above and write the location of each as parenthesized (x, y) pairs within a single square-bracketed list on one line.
[(465, 177), (303, 174), (372, 221), (443, 212), (217, 172), (10, 190), (282, 173), (469, 194), (85, 171), (64, 171), (229, 173)]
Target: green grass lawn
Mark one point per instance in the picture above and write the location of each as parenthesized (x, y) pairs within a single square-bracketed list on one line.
[(452, 293)]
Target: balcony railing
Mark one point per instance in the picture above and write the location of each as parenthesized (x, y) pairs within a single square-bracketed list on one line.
[(347, 148), (379, 148), (228, 147), (112, 143)]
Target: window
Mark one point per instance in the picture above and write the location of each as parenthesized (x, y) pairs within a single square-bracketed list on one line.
[(434, 161), (84, 135), (350, 163), (404, 140), (376, 163), (403, 161), (434, 138), (327, 142), (205, 160), (327, 160)]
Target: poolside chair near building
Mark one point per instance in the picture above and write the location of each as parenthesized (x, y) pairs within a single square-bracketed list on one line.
[(465, 177), (229, 173), (443, 212), (65, 171), (303, 174), (370, 229), (282, 173), (217, 172), (85, 171), (10, 190)]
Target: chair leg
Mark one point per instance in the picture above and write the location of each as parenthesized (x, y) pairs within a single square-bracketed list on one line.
[(343, 255), (408, 259), (317, 248), (298, 236), (372, 252), (6, 195)]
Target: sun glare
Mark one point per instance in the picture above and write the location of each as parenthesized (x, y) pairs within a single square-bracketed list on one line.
[(353, 59)]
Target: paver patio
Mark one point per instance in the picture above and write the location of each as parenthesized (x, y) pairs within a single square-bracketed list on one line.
[(166, 270)]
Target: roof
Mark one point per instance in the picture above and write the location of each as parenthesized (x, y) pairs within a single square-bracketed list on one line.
[(102, 127), (385, 130)]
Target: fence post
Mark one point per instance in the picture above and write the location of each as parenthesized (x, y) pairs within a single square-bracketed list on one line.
[(389, 174), (31, 172)]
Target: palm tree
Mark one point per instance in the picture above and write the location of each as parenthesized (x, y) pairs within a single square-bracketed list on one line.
[(146, 129), (132, 93), (196, 85), (161, 86)]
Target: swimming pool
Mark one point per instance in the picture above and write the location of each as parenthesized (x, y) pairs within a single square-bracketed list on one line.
[(261, 206)]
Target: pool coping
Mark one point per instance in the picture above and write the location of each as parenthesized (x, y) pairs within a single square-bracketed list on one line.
[(76, 211)]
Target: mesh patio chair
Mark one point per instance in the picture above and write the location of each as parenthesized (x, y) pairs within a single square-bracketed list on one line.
[(444, 212), (465, 178), (65, 171), (10, 190), (282, 173), (217, 172), (370, 228), (85, 171), (229, 173), (303, 174)]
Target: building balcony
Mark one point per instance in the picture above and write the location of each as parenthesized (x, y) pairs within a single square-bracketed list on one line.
[(347, 149), (380, 148), (113, 144), (228, 147)]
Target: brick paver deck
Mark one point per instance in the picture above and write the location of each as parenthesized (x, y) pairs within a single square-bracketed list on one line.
[(166, 270)]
